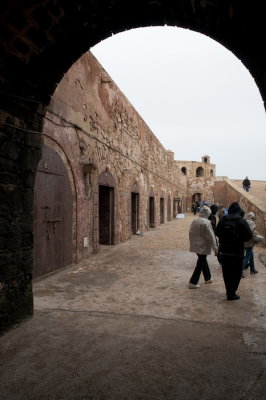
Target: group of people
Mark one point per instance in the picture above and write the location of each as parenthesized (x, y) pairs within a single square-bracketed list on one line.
[(234, 247)]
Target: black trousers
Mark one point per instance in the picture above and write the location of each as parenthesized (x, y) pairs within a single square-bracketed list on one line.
[(232, 271), (201, 266)]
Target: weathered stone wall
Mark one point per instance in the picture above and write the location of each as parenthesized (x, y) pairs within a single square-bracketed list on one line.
[(219, 192), (20, 150), (198, 184), (248, 203), (192, 166), (98, 130)]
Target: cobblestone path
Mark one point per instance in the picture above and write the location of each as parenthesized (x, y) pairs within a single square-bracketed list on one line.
[(172, 235)]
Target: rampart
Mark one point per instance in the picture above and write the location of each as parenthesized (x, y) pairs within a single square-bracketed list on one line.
[(225, 192)]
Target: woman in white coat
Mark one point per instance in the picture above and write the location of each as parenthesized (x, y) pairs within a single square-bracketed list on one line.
[(202, 241)]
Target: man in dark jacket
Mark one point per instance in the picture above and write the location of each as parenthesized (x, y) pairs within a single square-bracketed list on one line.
[(232, 231), (246, 184), (212, 217)]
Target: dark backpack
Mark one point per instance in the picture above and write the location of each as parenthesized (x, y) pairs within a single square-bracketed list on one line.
[(229, 231)]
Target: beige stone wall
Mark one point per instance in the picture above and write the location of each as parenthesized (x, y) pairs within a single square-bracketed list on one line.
[(202, 185), (192, 166), (248, 203), (94, 128)]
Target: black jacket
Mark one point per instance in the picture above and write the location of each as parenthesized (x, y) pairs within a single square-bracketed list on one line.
[(244, 234), (246, 182)]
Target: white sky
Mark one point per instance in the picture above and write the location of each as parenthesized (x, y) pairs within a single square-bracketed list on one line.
[(193, 93)]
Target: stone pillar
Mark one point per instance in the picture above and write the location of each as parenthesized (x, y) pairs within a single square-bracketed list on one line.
[(20, 152)]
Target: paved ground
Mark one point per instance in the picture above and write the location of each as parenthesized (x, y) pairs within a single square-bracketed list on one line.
[(124, 325)]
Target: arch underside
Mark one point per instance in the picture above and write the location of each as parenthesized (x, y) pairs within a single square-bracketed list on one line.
[(41, 41)]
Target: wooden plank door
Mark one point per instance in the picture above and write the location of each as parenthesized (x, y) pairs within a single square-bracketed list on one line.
[(52, 215)]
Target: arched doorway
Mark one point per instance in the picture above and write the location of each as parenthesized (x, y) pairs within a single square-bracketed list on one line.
[(199, 172), (106, 184), (196, 198), (134, 208), (52, 228)]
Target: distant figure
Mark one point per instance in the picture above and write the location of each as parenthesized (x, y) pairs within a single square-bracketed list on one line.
[(246, 184), (212, 216), (248, 260), (232, 231), (194, 208), (202, 240)]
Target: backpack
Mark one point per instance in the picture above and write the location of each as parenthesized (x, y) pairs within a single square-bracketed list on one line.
[(228, 231)]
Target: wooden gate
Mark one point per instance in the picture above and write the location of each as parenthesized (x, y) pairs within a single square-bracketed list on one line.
[(134, 212), (52, 215), (151, 212), (106, 215), (161, 210)]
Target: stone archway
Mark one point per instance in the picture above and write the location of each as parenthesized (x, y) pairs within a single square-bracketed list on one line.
[(37, 47)]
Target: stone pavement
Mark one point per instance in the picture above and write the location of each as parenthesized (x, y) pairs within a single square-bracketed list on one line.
[(124, 325)]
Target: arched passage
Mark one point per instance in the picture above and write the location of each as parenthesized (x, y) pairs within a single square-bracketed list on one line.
[(37, 47)]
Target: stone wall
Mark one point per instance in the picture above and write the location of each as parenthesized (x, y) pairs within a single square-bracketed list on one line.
[(248, 203), (92, 124), (200, 179), (226, 192), (20, 150)]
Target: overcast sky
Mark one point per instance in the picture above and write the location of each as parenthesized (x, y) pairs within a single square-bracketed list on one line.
[(194, 94)]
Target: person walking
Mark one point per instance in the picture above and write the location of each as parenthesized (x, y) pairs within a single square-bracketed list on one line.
[(212, 217), (232, 231), (202, 241), (248, 260), (246, 184), (194, 208)]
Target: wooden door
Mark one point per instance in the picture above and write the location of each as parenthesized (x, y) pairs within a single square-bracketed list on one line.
[(151, 212), (161, 210), (134, 213), (52, 215), (106, 215)]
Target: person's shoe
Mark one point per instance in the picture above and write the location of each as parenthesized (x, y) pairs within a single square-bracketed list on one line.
[(192, 286), (209, 281), (234, 297), (243, 275), (254, 272)]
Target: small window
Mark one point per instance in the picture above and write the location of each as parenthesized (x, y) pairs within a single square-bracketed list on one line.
[(184, 170), (205, 159), (211, 172)]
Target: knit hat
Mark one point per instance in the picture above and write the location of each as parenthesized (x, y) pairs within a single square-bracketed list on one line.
[(204, 212), (235, 209), (250, 215)]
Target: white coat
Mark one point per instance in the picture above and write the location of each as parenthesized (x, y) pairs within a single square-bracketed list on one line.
[(201, 236)]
